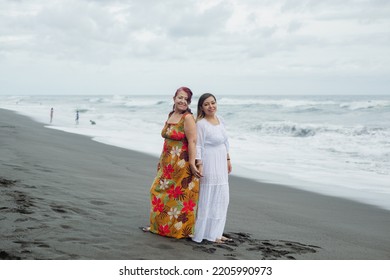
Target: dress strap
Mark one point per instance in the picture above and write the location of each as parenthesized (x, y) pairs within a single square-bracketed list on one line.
[(185, 114), (181, 118)]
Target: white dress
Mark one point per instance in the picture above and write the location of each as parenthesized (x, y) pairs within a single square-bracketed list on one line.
[(212, 149)]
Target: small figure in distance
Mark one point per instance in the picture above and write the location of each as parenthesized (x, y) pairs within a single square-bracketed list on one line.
[(51, 114)]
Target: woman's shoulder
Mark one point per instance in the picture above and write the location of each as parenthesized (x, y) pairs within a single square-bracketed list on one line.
[(188, 119), (188, 116), (203, 125), (201, 122)]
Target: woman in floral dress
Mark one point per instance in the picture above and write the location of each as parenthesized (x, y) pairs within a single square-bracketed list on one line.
[(175, 189)]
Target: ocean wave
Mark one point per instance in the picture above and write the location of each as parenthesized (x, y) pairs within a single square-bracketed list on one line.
[(139, 102), (307, 130), (82, 110), (364, 105), (97, 100), (286, 103), (307, 105), (128, 101), (285, 129)]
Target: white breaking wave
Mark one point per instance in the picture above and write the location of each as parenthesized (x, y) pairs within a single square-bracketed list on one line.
[(306, 130)]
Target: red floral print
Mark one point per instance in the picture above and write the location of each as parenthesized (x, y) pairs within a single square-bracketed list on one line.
[(158, 206), (188, 206), (177, 135), (167, 171), (166, 148), (174, 192), (163, 230)]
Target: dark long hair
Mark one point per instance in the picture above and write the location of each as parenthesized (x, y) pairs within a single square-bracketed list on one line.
[(200, 114), (189, 98)]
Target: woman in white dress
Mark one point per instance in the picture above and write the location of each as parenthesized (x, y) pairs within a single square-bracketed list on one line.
[(213, 162)]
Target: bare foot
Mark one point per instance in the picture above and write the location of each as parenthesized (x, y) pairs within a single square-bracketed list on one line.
[(226, 239)]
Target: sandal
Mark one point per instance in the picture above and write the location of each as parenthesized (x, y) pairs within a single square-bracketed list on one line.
[(145, 229)]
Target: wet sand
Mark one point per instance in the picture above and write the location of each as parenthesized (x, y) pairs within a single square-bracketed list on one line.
[(64, 196)]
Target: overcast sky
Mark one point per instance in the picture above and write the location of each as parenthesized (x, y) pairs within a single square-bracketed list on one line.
[(225, 47)]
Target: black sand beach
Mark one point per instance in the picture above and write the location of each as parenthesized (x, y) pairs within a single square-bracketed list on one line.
[(64, 196)]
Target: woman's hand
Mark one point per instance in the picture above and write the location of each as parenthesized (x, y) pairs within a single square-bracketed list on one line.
[(196, 171), (229, 166), (200, 168)]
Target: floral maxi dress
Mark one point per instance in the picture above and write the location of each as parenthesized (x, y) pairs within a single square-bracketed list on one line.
[(174, 192)]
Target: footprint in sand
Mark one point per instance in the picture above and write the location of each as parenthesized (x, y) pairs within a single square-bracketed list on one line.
[(267, 249), (6, 183), (5, 256)]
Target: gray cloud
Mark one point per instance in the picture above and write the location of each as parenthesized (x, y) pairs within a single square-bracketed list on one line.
[(157, 37)]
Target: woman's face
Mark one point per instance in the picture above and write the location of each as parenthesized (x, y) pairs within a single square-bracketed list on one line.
[(181, 101), (209, 106)]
